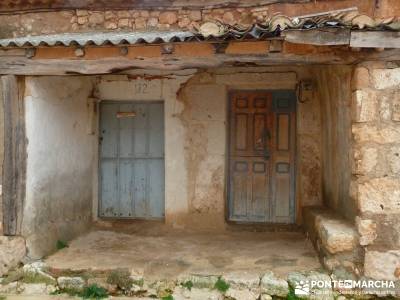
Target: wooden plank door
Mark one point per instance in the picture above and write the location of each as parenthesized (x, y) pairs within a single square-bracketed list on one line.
[(132, 160), (261, 156)]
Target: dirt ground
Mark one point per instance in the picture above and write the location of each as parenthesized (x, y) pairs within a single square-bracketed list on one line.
[(157, 252)]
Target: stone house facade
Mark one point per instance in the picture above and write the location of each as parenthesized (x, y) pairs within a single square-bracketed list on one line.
[(333, 65)]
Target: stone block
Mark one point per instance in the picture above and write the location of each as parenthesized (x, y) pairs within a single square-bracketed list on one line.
[(273, 285), (96, 18), (379, 195), (242, 280), (382, 265), (396, 106), (367, 231), (108, 15), (385, 106), (195, 15), (393, 159), (360, 78), (71, 283), (168, 17), (387, 134), (82, 20), (110, 25), (238, 294), (364, 108), (35, 289), (336, 235), (152, 22), (365, 160), (81, 12), (386, 78), (123, 23), (12, 252)]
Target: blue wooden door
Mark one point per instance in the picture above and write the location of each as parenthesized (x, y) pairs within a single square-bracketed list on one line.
[(132, 160), (261, 156)]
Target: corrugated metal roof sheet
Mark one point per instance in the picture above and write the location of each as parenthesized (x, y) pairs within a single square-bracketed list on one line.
[(211, 31), (97, 38)]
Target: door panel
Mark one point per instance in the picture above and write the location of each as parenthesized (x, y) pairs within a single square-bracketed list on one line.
[(261, 156), (132, 160)]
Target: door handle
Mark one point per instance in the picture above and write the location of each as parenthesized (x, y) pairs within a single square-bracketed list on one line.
[(267, 138)]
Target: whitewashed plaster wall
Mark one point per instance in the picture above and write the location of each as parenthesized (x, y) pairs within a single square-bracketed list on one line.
[(59, 161)]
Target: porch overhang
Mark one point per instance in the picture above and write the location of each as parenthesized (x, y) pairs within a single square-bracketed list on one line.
[(335, 37)]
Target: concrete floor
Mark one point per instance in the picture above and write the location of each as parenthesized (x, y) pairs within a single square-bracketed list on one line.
[(158, 253)]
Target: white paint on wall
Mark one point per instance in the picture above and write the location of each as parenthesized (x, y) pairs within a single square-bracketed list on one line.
[(59, 161)]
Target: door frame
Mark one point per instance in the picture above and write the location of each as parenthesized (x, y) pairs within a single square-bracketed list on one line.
[(99, 177), (293, 173)]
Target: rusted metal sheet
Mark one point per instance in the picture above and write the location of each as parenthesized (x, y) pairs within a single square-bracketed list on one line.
[(15, 5), (261, 157), (132, 160)]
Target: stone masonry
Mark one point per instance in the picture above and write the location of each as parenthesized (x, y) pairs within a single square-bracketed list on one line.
[(375, 184), (125, 20)]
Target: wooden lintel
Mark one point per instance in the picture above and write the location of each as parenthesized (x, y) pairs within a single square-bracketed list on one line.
[(11, 5), (375, 39), (12, 52), (25, 66), (320, 37), (14, 166)]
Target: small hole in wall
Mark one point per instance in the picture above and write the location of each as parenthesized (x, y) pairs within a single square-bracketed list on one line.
[(381, 206)]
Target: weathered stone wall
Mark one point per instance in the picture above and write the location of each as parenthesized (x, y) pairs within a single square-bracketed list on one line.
[(59, 162), (34, 23), (333, 86), (375, 183)]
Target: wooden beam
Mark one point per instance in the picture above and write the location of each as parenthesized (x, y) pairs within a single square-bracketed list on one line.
[(14, 165), (375, 39), (13, 6), (305, 55), (319, 37)]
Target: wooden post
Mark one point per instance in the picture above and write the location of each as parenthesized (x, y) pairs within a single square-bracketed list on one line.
[(14, 165)]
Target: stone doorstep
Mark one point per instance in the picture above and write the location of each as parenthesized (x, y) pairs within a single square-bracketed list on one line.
[(336, 234)]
